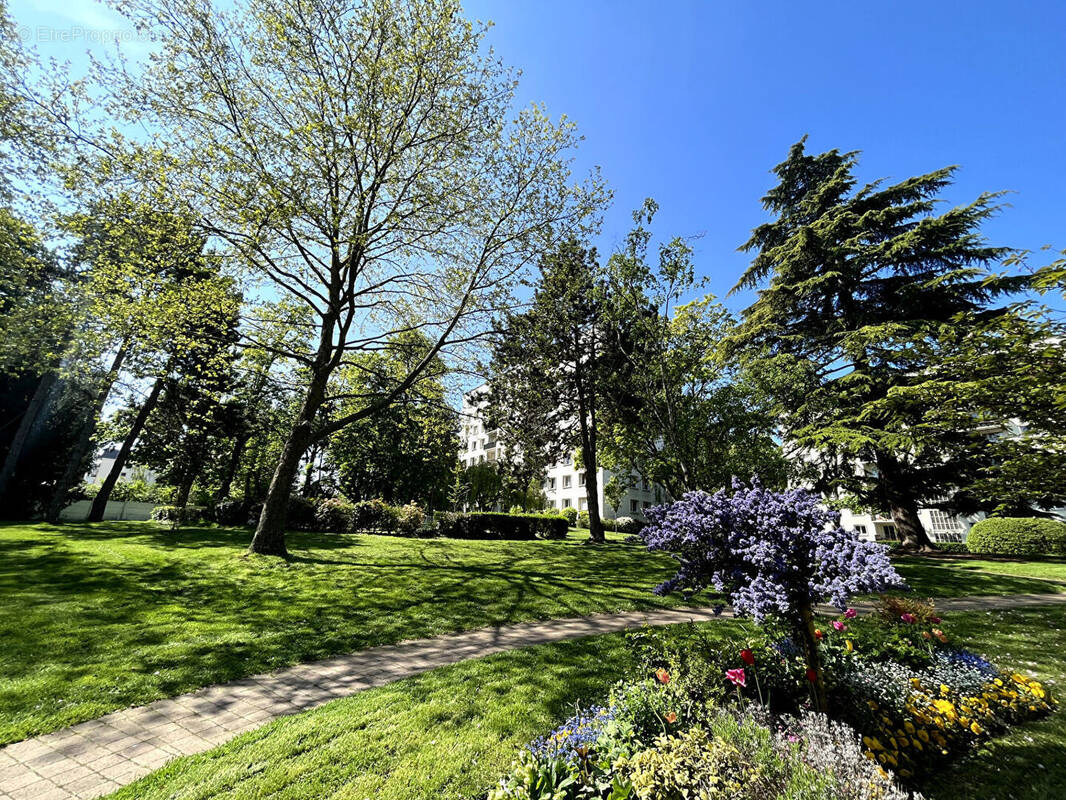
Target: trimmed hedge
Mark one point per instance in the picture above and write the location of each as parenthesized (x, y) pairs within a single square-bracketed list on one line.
[(1018, 536), (491, 525)]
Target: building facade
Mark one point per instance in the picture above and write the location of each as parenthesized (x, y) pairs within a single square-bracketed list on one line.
[(564, 484)]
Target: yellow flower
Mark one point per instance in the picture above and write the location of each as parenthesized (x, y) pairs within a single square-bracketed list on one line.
[(872, 705), (917, 745), (923, 734), (944, 689), (849, 645), (908, 726), (945, 707), (977, 729)]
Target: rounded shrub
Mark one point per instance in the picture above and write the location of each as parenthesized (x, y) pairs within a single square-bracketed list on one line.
[(334, 515), (583, 519), (571, 515), (1018, 536)]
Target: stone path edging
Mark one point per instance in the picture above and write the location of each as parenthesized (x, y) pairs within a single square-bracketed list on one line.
[(99, 756)]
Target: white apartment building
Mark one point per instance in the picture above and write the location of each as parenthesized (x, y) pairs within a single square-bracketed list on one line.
[(564, 485), (942, 526), (101, 468)]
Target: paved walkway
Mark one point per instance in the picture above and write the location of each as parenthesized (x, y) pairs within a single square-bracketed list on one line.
[(99, 756)]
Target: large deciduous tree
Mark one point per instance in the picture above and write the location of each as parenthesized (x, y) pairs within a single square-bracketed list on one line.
[(678, 413), (361, 157), (851, 281)]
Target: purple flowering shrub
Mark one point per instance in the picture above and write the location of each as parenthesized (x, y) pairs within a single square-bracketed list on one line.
[(768, 551), (772, 554)]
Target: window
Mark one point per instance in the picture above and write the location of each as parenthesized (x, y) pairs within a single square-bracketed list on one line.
[(860, 529), (582, 504), (566, 481), (647, 504), (581, 479), (644, 485), (946, 528), (634, 506), (550, 483), (888, 531), (564, 502)]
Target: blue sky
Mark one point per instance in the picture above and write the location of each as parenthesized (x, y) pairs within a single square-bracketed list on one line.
[(692, 102)]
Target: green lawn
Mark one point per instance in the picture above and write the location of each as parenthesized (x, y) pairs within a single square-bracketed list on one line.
[(1048, 568), (450, 733), (99, 617), (105, 616), (959, 577)]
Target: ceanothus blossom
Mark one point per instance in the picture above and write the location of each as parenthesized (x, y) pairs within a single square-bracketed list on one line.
[(769, 552)]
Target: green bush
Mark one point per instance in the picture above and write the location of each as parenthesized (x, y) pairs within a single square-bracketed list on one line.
[(571, 515), (229, 512), (335, 515), (628, 525), (373, 516), (1018, 536), (407, 519), (491, 525), (583, 519), (177, 515)]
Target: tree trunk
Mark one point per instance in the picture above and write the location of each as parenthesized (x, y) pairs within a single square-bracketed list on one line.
[(231, 468), (902, 506), (181, 498), (592, 495), (26, 425), (309, 471), (269, 538), (84, 440), (912, 535), (96, 513), (811, 654)]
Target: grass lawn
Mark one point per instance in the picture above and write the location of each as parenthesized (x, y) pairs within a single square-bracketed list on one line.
[(1048, 568), (105, 616), (452, 732), (959, 577)]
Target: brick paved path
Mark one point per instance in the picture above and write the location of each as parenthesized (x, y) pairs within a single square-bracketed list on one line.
[(99, 756)]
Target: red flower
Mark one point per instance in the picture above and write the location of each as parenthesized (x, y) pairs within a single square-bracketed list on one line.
[(747, 657), (662, 675), (818, 634), (910, 619), (935, 620), (812, 676), (671, 717)]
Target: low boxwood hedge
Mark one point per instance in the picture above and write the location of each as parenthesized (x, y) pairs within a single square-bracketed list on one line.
[(1018, 536), (491, 525)]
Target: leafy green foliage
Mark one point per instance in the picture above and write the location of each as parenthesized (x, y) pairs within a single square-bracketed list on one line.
[(406, 452), (501, 526), (1018, 536), (857, 287), (678, 413), (549, 366)]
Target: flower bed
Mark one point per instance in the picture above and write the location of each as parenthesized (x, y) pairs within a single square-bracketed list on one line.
[(698, 720)]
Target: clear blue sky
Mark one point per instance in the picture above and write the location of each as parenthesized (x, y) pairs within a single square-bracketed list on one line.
[(692, 102)]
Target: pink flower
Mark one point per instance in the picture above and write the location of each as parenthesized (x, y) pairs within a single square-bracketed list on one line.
[(838, 625), (935, 620), (737, 676), (851, 613), (910, 619)]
